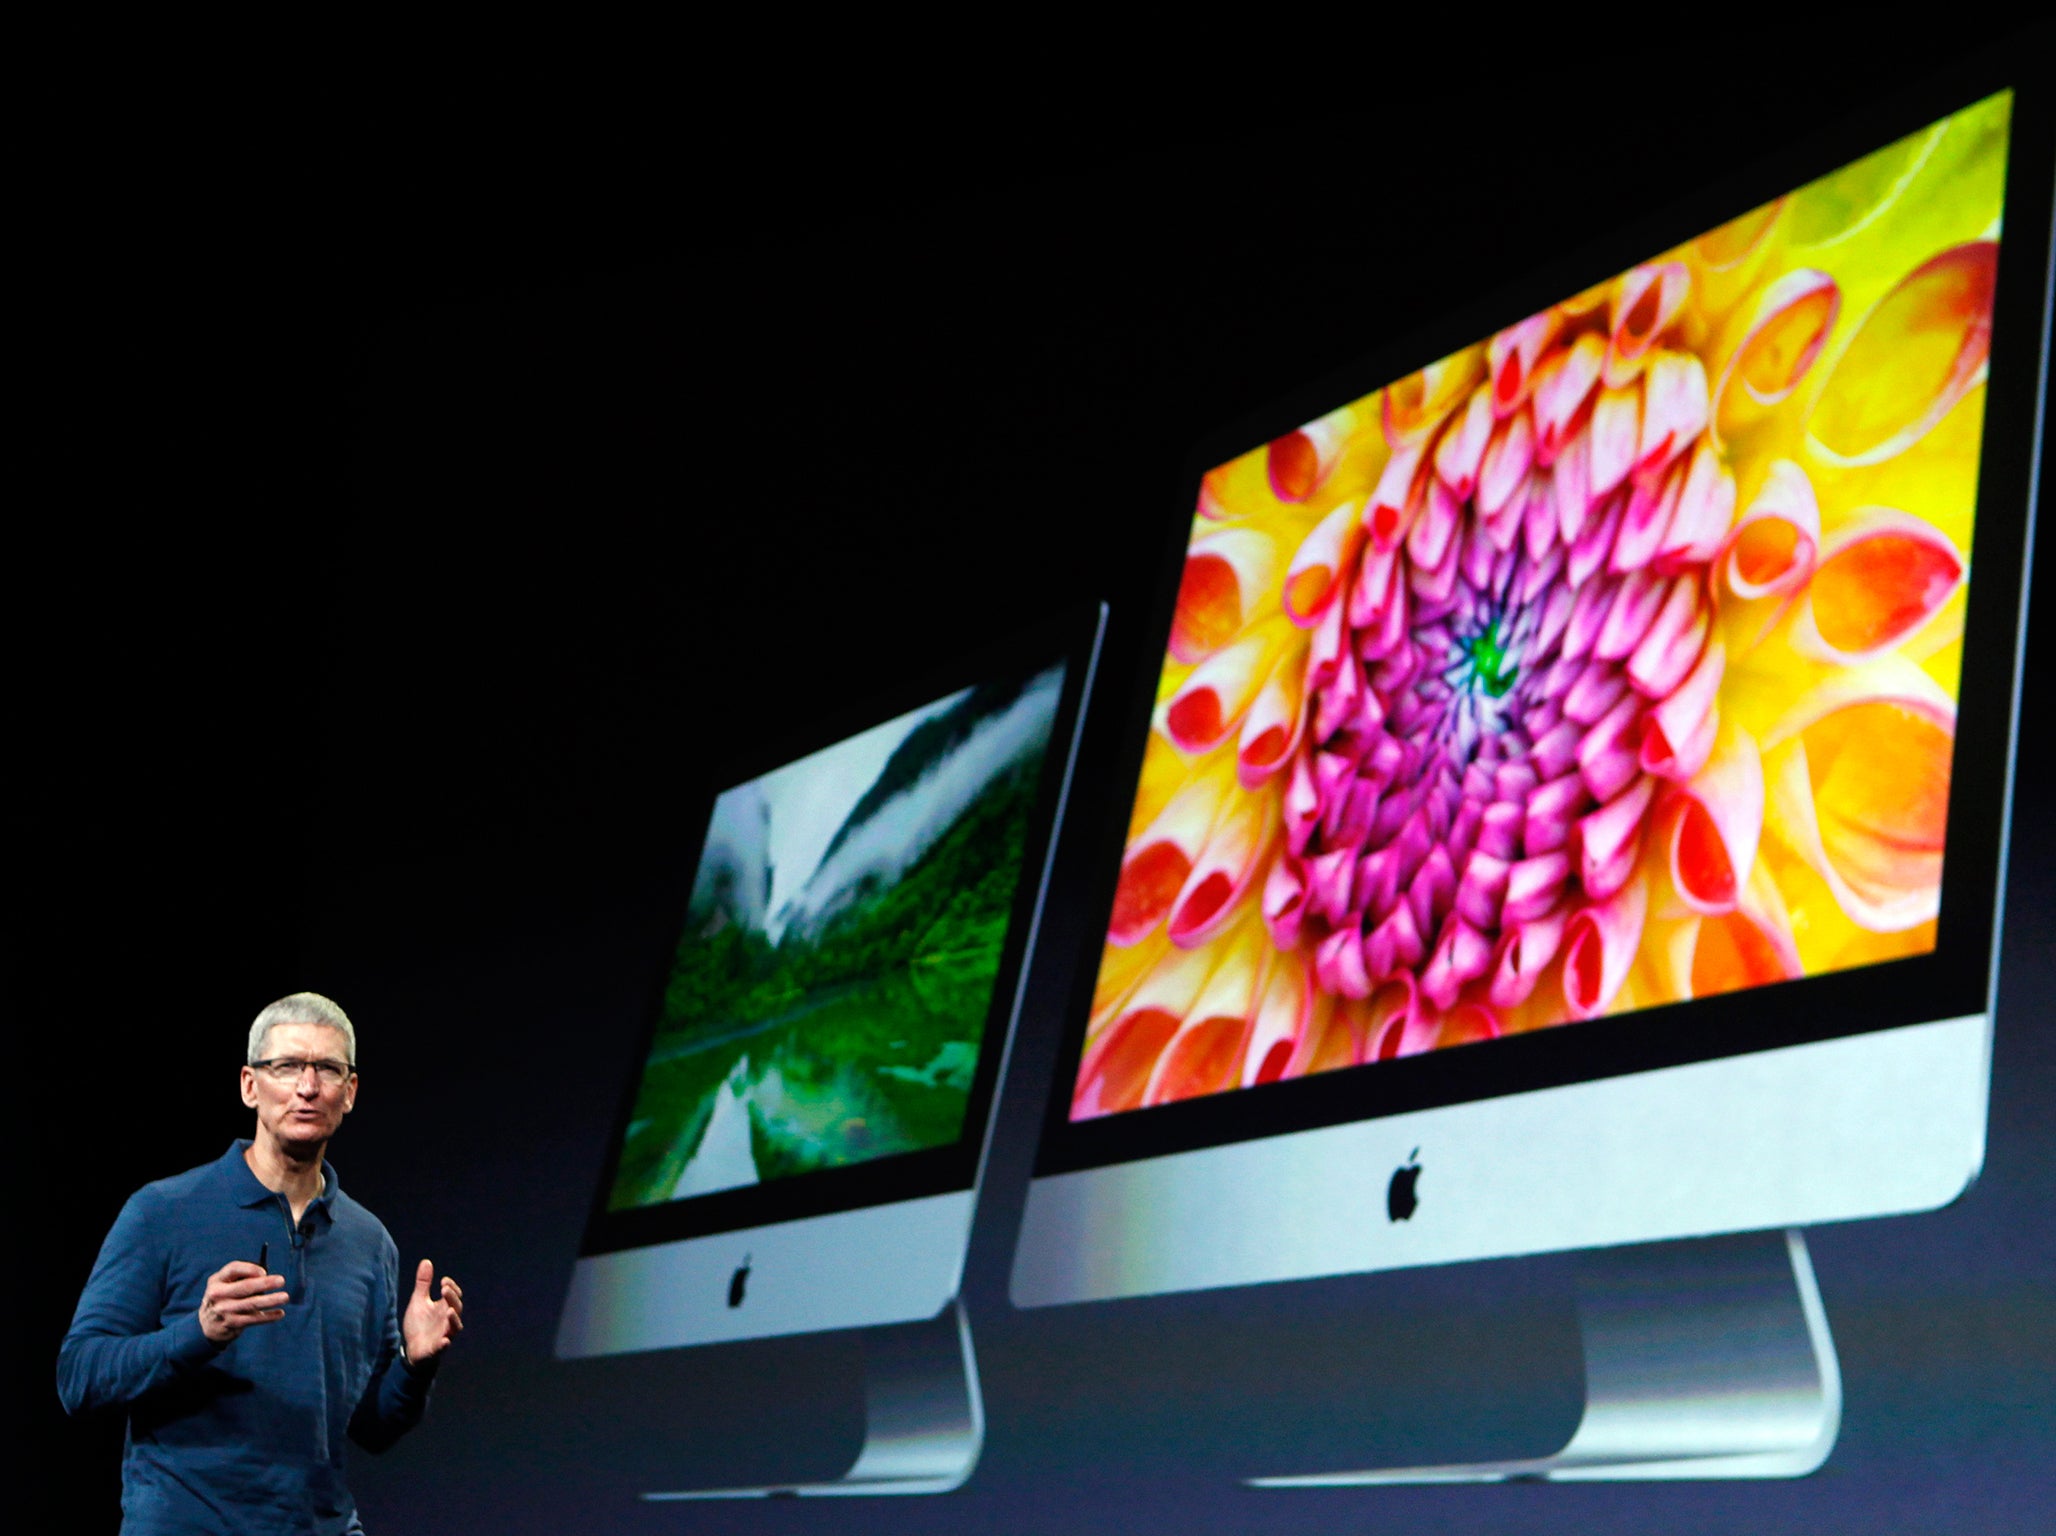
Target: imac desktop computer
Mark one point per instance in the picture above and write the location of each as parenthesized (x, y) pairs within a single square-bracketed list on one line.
[(1570, 811), (804, 1129)]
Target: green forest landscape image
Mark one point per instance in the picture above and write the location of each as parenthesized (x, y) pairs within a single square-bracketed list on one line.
[(828, 998)]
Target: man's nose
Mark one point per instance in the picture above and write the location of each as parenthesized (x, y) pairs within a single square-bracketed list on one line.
[(309, 1085)]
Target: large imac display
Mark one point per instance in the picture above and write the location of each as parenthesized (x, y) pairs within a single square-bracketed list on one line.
[(1569, 811), (806, 1121)]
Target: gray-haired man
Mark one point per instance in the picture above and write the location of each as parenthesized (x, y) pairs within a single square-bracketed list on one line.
[(247, 1314)]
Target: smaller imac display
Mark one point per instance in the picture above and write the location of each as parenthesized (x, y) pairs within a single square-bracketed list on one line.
[(807, 1114)]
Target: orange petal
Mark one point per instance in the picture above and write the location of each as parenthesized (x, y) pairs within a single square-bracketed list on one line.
[(1786, 330), (1205, 1054), (1727, 261), (1283, 1010), (1751, 946), (1299, 461), (1777, 540), (1227, 578), (1880, 578), (1155, 866), (1920, 350), (1210, 703), (1324, 562), (1118, 1062), (1859, 788), (1225, 871), (1334, 1037), (1418, 404), (1273, 726)]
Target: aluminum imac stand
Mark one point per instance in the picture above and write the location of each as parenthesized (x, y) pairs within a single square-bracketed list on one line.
[(924, 1419), (1708, 1358)]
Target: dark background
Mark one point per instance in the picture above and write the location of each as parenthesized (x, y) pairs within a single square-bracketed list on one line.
[(417, 492)]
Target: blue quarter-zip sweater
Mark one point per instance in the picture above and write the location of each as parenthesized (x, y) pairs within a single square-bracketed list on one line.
[(243, 1439)]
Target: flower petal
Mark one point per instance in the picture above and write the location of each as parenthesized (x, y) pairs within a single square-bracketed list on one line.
[(1706, 506), (1117, 1064), (1299, 461), (1881, 577), (1504, 469), (1779, 344), (1678, 734), (1155, 866), (1858, 775), (1322, 566), (1674, 409), (1224, 872), (1228, 575), (1209, 704), (1714, 823), (1777, 540), (1523, 954), (1562, 392), (1751, 946), (1284, 1009), (1511, 356), (1616, 434), (1271, 730), (1397, 499), (1930, 338), (1643, 303), (1461, 448), (1419, 403), (1205, 1054), (1599, 946)]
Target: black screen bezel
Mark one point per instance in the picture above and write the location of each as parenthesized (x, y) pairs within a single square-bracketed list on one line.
[(1070, 639), (1956, 979)]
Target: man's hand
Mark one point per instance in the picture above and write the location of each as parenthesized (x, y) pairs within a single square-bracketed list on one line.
[(240, 1295), (431, 1322)]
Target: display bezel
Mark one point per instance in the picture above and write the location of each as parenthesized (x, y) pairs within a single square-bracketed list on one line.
[(1070, 639), (1956, 978)]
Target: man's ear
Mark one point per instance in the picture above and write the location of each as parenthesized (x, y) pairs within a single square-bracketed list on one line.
[(249, 1086)]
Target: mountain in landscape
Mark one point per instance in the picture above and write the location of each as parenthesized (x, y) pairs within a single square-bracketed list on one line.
[(928, 782), (734, 881)]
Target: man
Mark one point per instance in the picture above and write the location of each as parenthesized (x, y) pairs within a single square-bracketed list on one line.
[(247, 1313)]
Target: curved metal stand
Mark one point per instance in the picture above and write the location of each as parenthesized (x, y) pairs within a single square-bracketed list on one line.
[(1703, 1359), (924, 1419)]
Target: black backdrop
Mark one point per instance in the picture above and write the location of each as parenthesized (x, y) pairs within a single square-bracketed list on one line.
[(421, 487)]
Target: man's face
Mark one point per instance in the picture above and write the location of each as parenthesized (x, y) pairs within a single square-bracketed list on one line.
[(302, 1112)]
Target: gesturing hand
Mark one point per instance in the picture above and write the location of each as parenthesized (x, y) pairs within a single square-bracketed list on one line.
[(240, 1295), (431, 1322)]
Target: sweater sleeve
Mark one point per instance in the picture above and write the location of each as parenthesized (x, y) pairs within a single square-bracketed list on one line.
[(397, 1394), (117, 1349)]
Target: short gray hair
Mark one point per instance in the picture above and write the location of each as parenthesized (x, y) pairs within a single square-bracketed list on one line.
[(301, 1008)]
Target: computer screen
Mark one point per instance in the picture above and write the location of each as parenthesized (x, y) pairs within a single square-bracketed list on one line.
[(1623, 686), (832, 1012)]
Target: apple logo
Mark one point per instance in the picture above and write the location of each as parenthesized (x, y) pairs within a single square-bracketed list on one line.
[(1400, 1200), (738, 1281)]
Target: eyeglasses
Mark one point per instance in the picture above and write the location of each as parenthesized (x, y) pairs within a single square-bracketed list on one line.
[(288, 1069)]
